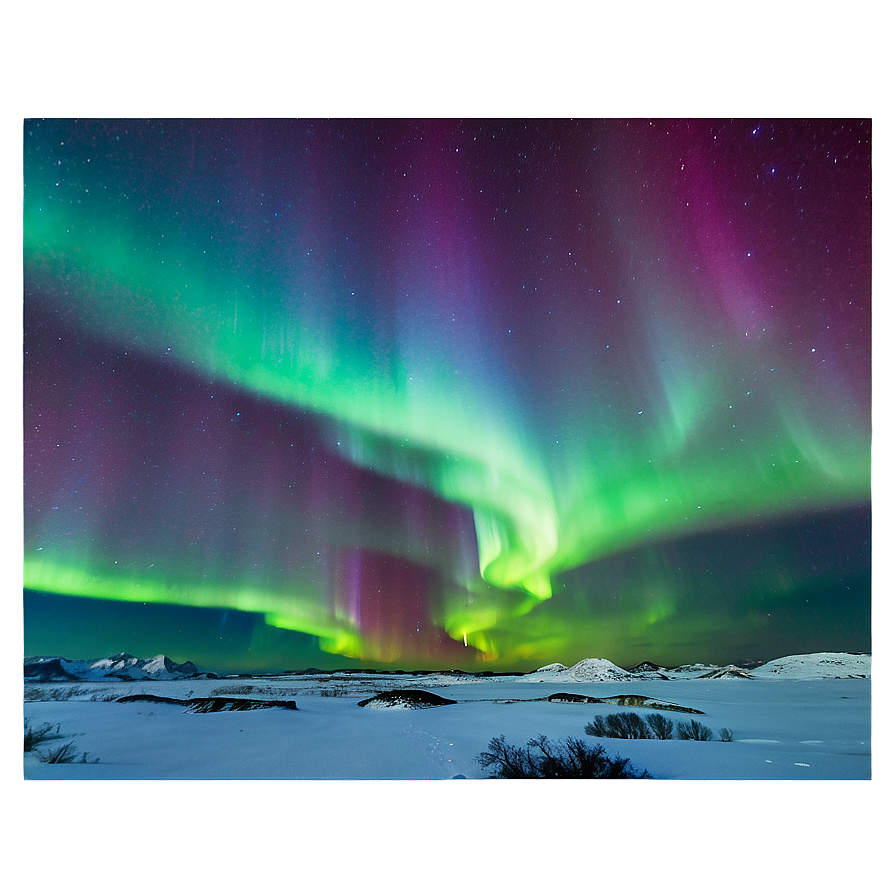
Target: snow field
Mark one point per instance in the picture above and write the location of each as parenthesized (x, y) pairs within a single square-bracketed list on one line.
[(782, 729)]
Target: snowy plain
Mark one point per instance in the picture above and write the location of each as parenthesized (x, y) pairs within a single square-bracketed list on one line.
[(798, 718)]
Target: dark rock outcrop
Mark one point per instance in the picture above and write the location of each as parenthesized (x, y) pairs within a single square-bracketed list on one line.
[(406, 698), (212, 704), (651, 670), (646, 703), (572, 698), (151, 698), (236, 704), (727, 672)]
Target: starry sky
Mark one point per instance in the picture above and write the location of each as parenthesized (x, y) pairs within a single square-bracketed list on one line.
[(478, 394)]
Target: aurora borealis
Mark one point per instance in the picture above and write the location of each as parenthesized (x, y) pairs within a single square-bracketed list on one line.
[(429, 393)]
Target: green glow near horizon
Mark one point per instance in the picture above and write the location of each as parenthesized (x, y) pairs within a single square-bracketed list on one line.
[(304, 615)]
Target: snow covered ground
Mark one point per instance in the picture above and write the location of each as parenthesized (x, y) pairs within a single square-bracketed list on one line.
[(791, 720)]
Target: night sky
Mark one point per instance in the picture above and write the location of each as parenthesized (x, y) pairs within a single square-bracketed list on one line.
[(428, 393)]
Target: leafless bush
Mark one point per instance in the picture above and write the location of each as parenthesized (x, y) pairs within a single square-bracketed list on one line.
[(36, 736), (725, 735), (541, 758), (64, 753), (693, 730), (661, 727), (597, 727), (626, 725)]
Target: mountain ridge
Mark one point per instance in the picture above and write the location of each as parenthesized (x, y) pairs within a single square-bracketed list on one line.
[(806, 666), (118, 666)]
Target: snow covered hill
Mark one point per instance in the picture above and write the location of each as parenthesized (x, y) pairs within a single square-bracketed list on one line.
[(807, 666), (586, 670), (120, 666), (801, 667)]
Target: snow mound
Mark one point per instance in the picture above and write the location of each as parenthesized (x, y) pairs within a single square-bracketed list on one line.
[(650, 670), (584, 671), (236, 704), (572, 698), (646, 703), (727, 672), (598, 670), (806, 666), (647, 666), (405, 699), (211, 704)]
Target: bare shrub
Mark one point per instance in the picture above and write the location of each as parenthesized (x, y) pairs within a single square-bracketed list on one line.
[(597, 727), (694, 730), (506, 760), (725, 735), (625, 725), (64, 753), (661, 727), (541, 758), (36, 736)]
